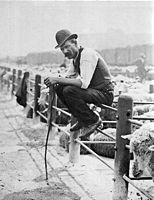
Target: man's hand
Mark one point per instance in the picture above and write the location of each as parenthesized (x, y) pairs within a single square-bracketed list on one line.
[(50, 81)]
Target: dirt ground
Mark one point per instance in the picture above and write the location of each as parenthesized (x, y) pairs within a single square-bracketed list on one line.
[(47, 193), (21, 178)]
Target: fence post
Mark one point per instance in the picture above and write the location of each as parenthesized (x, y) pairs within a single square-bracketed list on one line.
[(122, 155), (13, 81), (7, 82), (19, 76), (151, 88), (37, 94), (2, 80), (74, 147)]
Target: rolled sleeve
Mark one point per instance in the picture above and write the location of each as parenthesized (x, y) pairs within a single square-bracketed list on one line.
[(87, 70), (88, 64)]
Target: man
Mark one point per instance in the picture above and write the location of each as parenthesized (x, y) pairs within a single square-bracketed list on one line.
[(141, 70), (88, 81)]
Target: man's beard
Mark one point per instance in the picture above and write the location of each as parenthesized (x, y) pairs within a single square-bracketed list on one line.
[(68, 55)]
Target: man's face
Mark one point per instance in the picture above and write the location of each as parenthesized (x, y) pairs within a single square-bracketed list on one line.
[(69, 49)]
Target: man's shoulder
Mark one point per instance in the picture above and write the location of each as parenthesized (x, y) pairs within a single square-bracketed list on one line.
[(89, 52)]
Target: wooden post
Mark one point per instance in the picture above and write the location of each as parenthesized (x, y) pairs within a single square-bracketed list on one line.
[(37, 94), (2, 80), (122, 155), (151, 89), (8, 83), (74, 147), (13, 81), (19, 76)]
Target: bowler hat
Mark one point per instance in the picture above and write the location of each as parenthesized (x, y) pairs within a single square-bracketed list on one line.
[(63, 35)]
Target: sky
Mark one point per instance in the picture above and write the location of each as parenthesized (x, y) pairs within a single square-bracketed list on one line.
[(30, 26)]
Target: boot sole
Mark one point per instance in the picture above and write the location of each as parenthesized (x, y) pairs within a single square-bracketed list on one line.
[(91, 131)]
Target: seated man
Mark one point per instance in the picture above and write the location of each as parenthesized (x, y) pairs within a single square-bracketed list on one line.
[(88, 81)]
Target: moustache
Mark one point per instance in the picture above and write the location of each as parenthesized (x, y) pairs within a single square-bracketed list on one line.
[(67, 54)]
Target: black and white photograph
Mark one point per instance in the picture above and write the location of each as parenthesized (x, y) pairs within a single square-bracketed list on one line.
[(76, 100)]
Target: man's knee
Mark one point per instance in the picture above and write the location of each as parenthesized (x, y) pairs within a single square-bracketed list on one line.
[(58, 89), (69, 91)]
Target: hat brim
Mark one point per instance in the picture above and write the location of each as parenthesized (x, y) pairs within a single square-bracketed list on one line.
[(73, 36)]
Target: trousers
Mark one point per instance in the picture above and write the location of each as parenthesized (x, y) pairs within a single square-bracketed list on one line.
[(77, 99)]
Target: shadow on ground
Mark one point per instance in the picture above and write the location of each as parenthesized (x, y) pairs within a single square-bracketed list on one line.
[(54, 192)]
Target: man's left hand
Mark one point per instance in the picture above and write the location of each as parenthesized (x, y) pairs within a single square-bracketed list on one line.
[(50, 81)]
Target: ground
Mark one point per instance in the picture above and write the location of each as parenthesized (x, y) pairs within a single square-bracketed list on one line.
[(22, 177)]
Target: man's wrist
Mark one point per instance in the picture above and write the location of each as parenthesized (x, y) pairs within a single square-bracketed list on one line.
[(57, 79)]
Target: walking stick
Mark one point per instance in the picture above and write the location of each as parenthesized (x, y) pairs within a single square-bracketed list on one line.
[(51, 101)]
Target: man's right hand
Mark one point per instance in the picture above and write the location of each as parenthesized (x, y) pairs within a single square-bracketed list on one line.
[(50, 81)]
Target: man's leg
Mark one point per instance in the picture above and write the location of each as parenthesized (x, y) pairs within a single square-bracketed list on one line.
[(77, 99), (59, 91)]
